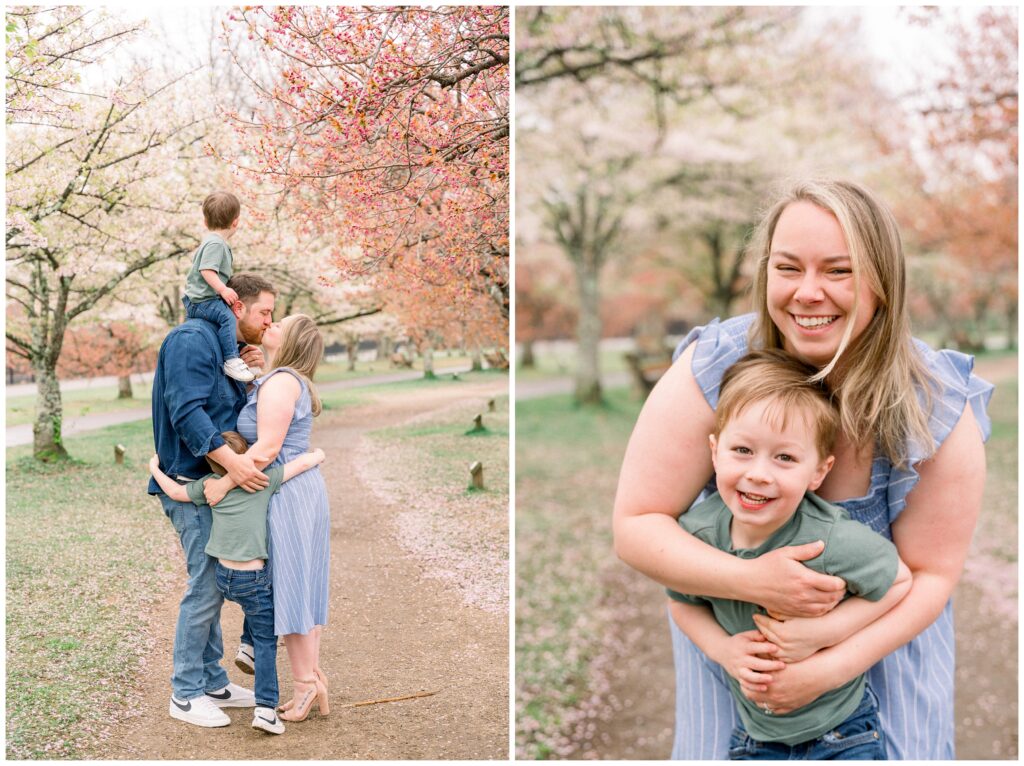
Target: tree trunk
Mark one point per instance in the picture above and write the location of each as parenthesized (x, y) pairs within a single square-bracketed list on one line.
[(352, 349), (528, 359), (588, 332), (124, 387), (47, 444), (477, 359), (1011, 326), (428, 361)]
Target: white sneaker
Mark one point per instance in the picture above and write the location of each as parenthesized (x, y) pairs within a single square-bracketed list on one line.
[(245, 659), (266, 718), (235, 368), (232, 695), (199, 711)]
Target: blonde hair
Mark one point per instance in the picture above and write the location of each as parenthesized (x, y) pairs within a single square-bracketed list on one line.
[(882, 371), (237, 443), (788, 384), (302, 348)]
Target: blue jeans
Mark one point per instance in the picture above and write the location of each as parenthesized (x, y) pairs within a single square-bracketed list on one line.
[(858, 738), (252, 590), (198, 645), (216, 311)]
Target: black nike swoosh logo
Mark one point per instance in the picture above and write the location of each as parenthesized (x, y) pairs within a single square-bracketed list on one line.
[(267, 720), (184, 708), (226, 694)]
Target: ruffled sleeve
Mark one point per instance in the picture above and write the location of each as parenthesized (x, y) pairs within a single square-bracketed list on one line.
[(719, 345), (958, 388)]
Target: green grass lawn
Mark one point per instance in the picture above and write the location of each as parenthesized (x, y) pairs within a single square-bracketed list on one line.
[(87, 553), (567, 462)]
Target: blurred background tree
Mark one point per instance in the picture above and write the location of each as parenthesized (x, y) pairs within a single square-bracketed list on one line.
[(648, 138)]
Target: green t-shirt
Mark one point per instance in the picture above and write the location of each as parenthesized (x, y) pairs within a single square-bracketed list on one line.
[(866, 560), (239, 520), (214, 254)]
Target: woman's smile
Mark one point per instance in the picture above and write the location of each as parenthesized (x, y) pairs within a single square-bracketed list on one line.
[(811, 286)]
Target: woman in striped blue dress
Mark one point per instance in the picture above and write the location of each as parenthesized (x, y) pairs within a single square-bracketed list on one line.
[(830, 288), (277, 420)]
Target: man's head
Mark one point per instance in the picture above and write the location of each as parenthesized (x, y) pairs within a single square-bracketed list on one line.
[(237, 443), (255, 309), (221, 211), (774, 434)]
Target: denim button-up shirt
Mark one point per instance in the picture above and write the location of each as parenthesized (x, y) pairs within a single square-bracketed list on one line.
[(193, 400)]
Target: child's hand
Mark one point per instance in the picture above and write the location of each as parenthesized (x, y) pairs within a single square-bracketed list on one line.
[(796, 637), (230, 296), (318, 456), (154, 464), (744, 657)]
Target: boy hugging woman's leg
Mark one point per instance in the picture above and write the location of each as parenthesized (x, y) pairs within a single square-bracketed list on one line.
[(772, 445), (207, 295)]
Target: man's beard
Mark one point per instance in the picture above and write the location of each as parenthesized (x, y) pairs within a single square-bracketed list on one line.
[(250, 333)]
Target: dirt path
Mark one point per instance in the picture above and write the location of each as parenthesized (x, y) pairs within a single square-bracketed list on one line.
[(392, 631)]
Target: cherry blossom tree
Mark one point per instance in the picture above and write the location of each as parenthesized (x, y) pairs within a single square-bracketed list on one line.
[(96, 185), (386, 130)]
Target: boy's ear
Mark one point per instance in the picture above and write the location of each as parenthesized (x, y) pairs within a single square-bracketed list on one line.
[(819, 475), (714, 449)]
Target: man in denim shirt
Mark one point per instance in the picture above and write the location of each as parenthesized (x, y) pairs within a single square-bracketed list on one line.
[(193, 402)]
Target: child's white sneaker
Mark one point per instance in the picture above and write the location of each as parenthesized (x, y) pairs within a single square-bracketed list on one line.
[(236, 368), (245, 659), (266, 718)]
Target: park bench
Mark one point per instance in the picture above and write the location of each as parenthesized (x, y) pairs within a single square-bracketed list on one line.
[(647, 368), (497, 360), (401, 360)]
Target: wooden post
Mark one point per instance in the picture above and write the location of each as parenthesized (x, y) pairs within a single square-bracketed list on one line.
[(490, 405), (478, 426), (476, 473), (119, 451)]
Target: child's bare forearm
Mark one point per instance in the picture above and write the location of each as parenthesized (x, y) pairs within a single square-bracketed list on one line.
[(170, 487), (857, 613), (302, 463), (700, 626), (213, 280)]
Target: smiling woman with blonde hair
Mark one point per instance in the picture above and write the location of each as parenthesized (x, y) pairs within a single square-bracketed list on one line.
[(831, 291)]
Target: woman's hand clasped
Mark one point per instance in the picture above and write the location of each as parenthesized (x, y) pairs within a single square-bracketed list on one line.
[(796, 590), (795, 685)]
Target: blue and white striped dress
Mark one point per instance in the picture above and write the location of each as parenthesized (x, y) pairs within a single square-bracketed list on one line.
[(298, 523), (915, 683)]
